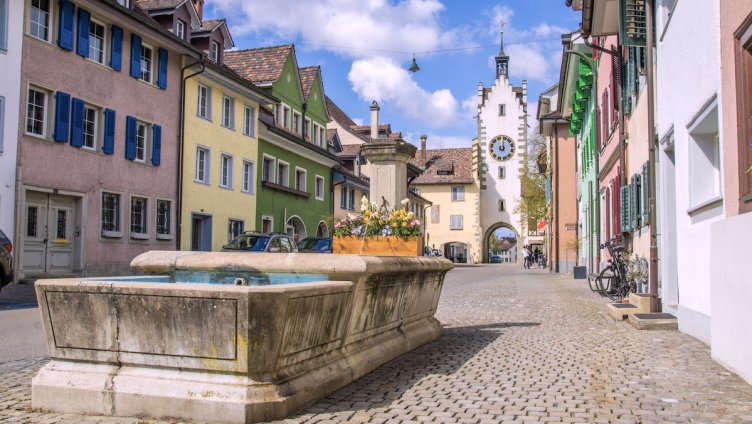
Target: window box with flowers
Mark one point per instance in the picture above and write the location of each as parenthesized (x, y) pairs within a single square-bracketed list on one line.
[(378, 232)]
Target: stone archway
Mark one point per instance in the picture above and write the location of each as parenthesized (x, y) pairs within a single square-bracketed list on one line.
[(322, 230), (295, 228), (487, 237)]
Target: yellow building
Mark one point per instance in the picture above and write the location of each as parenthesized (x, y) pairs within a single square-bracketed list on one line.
[(450, 184), (219, 158)]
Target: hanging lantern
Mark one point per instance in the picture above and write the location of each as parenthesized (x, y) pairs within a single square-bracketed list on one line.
[(414, 66)]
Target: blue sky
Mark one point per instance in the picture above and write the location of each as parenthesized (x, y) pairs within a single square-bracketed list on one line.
[(365, 47)]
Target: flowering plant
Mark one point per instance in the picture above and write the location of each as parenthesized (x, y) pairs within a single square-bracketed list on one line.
[(375, 221)]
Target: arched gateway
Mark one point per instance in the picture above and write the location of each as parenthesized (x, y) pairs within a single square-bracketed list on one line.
[(487, 240)]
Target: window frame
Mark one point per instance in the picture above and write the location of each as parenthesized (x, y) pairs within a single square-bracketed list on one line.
[(2, 122), (286, 116), (452, 222), (502, 172), (249, 121), (150, 62), (4, 9), (698, 142), (502, 109), (228, 112), (305, 179), (206, 100), (502, 205), (50, 20), (248, 178), (206, 165), (307, 128), (117, 231), (136, 235), (45, 111), (169, 235), (214, 51), (743, 88), (93, 21), (319, 181), (458, 193), (343, 198), (225, 171), (234, 232), (146, 141), (296, 122), (272, 177), (96, 131), (283, 178), (180, 29)]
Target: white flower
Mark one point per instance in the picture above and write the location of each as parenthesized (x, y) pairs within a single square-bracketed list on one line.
[(374, 205), (364, 205), (405, 202)]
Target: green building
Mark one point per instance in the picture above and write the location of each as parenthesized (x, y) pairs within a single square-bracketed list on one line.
[(294, 174)]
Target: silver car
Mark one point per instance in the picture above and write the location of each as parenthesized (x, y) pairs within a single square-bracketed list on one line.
[(251, 241), (6, 260)]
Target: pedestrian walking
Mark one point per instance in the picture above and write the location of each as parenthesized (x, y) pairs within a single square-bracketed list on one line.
[(525, 257)]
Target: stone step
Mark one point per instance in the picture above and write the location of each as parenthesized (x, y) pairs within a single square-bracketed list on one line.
[(620, 311), (654, 321), (641, 300)]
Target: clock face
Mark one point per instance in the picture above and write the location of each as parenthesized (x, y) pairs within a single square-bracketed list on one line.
[(501, 148)]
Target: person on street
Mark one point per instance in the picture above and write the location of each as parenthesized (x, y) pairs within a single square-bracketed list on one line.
[(525, 257)]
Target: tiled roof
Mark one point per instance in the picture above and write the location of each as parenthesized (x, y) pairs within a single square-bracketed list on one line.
[(385, 129), (158, 4), (338, 114), (349, 150), (445, 166), (209, 25), (259, 65), (330, 133), (307, 77)]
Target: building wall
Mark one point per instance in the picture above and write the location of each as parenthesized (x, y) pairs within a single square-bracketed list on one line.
[(565, 197), (347, 137), (10, 88), (48, 166), (439, 233), (220, 203), (339, 211), (695, 24)]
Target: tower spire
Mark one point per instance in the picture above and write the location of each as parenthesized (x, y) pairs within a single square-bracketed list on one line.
[(502, 59)]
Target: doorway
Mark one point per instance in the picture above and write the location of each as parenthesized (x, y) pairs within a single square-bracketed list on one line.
[(50, 234), (201, 232)]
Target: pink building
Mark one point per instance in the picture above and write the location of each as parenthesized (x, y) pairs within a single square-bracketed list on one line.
[(99, 135)]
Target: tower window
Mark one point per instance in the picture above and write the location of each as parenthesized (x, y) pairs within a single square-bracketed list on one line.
[(502, 110)]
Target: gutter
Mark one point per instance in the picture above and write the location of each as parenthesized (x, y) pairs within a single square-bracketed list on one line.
[(652, 142), (181, 146)]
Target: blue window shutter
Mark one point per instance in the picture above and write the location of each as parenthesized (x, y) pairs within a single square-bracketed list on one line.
[(62, 117), (116, 41), (135, 56), (108, 146), (156, 145), (77, 123), (130, 138), (162, 73), (82, 43), (65, 27)]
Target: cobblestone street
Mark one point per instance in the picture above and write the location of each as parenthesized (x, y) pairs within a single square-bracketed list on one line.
[(518, 346)]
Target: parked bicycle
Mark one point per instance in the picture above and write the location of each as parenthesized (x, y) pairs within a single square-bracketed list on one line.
[(613, 281)]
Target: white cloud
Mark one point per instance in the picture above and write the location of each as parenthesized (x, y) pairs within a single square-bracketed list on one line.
[(358, 121), (437, 141), (384, 80)]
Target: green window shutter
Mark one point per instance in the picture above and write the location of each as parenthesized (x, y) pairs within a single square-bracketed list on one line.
[(634, 209), (633, 28), (624, 212), (645, 194)]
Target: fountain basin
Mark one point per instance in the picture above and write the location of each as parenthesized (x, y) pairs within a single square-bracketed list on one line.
[(229, 353)]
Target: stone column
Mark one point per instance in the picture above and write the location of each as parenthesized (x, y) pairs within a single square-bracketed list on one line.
[(388, 160)]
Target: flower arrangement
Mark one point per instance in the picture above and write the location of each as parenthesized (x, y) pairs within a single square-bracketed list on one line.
[(375, 221)]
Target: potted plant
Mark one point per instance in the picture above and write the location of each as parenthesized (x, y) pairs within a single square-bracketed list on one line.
[(378, 232)]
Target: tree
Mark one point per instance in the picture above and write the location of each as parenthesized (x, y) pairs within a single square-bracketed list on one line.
[(532, 204), (494, 243)]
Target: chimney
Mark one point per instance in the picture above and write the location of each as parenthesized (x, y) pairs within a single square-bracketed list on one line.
[(199, 5), (423, 139), (374, 119)]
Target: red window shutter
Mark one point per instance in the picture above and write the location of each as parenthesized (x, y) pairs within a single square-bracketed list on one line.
[(598, 127), (617, 204), (604, 117)]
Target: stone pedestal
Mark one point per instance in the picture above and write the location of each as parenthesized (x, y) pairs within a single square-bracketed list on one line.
[(388, 160)]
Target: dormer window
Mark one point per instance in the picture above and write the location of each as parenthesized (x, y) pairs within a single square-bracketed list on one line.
[(214, 51), (180, 29)]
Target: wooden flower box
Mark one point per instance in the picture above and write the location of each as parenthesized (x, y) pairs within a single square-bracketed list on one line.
[(379, 246)]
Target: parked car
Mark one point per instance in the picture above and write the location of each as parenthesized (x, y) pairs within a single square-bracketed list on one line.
[(251, 241), (315, 245), (6, 260), (495, 259)]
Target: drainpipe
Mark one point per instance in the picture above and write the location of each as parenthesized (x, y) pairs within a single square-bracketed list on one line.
[(179, 208), (556, 204), (653, 262)]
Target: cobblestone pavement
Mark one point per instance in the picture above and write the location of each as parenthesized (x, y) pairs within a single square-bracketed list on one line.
[(518, 346)]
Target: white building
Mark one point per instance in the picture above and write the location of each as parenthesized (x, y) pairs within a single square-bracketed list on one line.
[(689, 178), (11, 33), (502, 140)]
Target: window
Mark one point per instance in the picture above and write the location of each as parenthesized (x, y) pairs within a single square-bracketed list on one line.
[(234, 228), (286, 116), (3, 24), (204, 102), (458, 194), (138, 217), (704, 158), (307, 129), (146, 63), (180, 29), (248, 175), (2, 119), (202, 165), (39, 25), (91, 116), (300, 179), (228, 112), (249, 121), (502, 110), (283, 174), (502, 206), (214, 51), (32, 213), (502, 172), (124, 3), (743, 50), (319, 187), (164, 219), (36, 112), (225, 171), (268, 169), (296, 123), (455, 222), (435, 214), (96, 42), (316, 135), (267, 224), (343, 198), (352, 199), (141, 141), (322, 135), (110, 214)]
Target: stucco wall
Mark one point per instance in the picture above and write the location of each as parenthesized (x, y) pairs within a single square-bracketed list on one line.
[(692, 24), (565, 196), (10, 87), (210, 199)]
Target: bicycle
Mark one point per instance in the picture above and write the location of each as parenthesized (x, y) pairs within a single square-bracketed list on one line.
[(612, 282)]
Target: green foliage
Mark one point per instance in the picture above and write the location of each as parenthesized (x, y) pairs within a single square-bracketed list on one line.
[(532, 205)]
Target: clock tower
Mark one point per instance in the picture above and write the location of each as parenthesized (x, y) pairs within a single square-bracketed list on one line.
[(501, 149)]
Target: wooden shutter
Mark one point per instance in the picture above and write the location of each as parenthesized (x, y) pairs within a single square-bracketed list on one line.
[(645, 194), (162, 69), (130, 138), (116, 48), (77, 123), (82, 40), (135, 56), (156, 145), (65, 25), (633, 28), (625, 218), (615, 84), (108, 145), (61, 131), (634, 207)]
